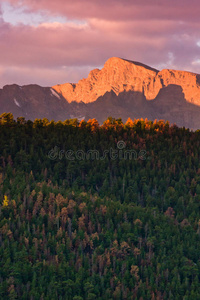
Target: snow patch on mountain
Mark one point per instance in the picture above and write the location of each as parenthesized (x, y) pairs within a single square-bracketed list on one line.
[(54, 93), (17, 103)]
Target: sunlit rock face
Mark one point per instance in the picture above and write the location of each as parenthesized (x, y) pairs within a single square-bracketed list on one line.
[(121, 75), (117, 75)]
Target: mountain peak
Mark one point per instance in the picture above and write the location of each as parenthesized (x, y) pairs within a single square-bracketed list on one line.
[(117, 61), (117, 75)]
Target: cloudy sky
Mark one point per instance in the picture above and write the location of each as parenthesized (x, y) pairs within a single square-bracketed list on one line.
[(49, 42)]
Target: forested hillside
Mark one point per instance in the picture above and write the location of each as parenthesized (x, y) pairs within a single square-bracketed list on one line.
[(99, 212)]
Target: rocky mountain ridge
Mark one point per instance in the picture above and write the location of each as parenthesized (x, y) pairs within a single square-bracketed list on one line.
[(122, 88)]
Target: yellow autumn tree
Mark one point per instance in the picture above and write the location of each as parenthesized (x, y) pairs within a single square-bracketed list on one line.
[(5, 201)]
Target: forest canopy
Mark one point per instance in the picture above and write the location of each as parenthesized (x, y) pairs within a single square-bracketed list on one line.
[(99, 227)]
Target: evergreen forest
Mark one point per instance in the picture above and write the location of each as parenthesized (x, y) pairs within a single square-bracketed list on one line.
[(91, 211)]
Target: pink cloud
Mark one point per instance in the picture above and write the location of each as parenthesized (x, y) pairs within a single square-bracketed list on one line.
[(145, 31), (117, 9)]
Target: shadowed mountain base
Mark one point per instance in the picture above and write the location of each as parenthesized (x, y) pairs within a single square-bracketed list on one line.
[(170, 104)]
